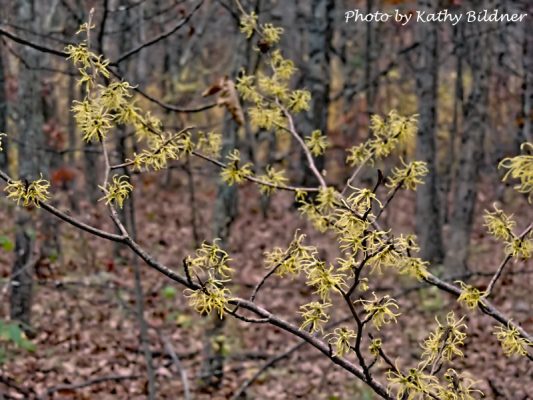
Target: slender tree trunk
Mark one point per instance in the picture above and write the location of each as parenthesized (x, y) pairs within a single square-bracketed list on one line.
[(369, 62), (526, 113), (4, 155), (449, 163), (471, 148), (225, 211), (317, 76), (127, 216), (31, 160), (428, 221), (226, 206)]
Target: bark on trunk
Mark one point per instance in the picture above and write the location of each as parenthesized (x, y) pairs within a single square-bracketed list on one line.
[(471, 148), (4, 157), (317, 76), (31, 160), (428, 221)]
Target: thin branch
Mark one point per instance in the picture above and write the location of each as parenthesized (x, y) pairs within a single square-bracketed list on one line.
[(269, 364), (484, 305), (256, 180), (308, 155), (498, 273), (177, 362), (355, 173), (157, 39), (72, 221), (35, 46), (90, 382)]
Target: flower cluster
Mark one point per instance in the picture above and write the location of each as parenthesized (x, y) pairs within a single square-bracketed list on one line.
[(521, 168), (470, 296), (389, 133), (380, 310), (211, 258), (445, 341), (29, 193), (117, 191), (234, 172), (511, 340)]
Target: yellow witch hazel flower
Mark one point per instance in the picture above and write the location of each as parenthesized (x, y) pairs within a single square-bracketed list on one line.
[(408, 177), (470, 296), (282, 67), (271, 86), (31, 193), (358, 154), (375, 347), (212, 296), (361, 200), (388, 134), (117, 191), (314, 316), (499, 224), (271, 34), (386, 257), (327, 198), (521, 168), (299, 100), (115, 96), (266, 117), (273, 177), (324, 279), (445, 340), (406, 244), (247, 90), (413, 385), (380, 310), (93, 119), (317, 143), (519, 248), (313, 214), (457, 387), (414, 266), (211, 257), (209, 143), (341, 339), (511, 341), (233, 172), (294, 259), (249, 24)]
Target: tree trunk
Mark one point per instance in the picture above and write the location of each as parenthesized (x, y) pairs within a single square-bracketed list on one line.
[(4, 156), (526, 113), (471, 148), (31, 159), (225, 211), (317, 75), (428, 221)]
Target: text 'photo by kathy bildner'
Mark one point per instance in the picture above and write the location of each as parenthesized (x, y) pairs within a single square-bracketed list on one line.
[(454, 18)]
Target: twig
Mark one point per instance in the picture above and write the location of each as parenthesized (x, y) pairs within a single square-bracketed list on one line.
[(484, 305), (305, 149), (30, 264), (156, 39), (90, 382), (268, 275), (181, 370), (498, 273), (269, 364), (355, 173), (256, 180)]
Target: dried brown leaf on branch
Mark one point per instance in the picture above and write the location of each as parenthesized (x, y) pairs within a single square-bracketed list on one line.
[(227, 97)]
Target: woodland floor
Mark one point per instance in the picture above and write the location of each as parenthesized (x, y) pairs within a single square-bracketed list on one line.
[(86, 328)]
